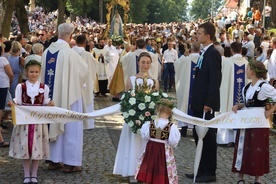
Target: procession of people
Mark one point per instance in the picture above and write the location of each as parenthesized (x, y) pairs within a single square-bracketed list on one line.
[(212, 68)]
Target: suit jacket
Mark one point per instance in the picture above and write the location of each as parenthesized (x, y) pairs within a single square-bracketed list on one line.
[(207, 82)]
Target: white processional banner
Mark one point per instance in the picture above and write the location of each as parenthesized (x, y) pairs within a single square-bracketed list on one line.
[(247, 118)]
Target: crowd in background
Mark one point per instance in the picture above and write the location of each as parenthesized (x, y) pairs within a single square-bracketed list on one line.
[(166, 41), (230, 27)]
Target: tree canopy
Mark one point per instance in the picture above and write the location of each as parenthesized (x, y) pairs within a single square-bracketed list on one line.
[(141, 11), (203, 8)]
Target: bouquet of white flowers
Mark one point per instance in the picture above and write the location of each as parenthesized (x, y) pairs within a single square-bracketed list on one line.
[(139, 106), (117, 40)]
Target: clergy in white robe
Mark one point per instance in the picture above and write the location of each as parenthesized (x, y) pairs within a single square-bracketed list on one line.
[(113, 59), (92, 76), (233, 80), (101, 55), (184, 75), (65, 72), (129, 62)]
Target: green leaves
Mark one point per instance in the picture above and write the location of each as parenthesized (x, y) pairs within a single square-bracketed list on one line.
[(79, 7), (203, 8), (138, 107), (157, 11)]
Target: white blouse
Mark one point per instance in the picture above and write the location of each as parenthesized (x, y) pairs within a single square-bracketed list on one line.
[(174, 136), (266, 91), (32, 92)]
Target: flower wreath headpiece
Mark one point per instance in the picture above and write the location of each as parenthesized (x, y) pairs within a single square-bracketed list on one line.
[(257, 70), (163, 101)]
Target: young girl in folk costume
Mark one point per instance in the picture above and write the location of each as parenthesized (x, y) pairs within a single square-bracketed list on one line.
[(157, 163), (30, 142), (251, 154), (130, 144)]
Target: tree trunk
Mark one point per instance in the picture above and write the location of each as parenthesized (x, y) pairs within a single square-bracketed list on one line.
[(61, 11), (3, 6), (22, 16), (101, 10), (84, 11), (273, 14), (8, 7)]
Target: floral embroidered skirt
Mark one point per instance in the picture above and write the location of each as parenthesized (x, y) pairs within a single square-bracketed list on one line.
[(255, 160), (157, 164)]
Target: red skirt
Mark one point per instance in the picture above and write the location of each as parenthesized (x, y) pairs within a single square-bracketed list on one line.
[(153, 167), (255, 160)]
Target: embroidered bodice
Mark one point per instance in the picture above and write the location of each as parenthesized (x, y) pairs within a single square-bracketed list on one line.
[(38, 99), (158, 133), (254, 101)]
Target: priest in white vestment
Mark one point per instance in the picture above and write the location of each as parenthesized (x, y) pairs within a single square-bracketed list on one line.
[(129, 62), (65, 72), (103, 57), (113, 59), (233, 80), (184, 74), (92, 76)]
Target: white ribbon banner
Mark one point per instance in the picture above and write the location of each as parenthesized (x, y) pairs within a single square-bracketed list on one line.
[(247, 118)]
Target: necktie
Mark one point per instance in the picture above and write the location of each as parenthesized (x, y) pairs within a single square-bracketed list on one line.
[(199, 62)]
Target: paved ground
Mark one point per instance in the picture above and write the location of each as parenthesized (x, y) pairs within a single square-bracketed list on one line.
[(99, 153)]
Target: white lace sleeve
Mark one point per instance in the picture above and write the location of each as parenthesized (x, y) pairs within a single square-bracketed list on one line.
[(145, 131), (267, 91), (174, 136), (46, 95), (18, 95)]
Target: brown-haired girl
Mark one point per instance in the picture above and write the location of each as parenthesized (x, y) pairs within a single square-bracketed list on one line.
[(157, 163), (251, 154), (30, 142)]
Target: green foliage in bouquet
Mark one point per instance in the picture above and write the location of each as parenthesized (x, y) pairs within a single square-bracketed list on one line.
[(117, 40), (139, 106)]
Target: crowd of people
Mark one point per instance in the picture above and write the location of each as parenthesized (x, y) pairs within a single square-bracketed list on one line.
[(207, 64)]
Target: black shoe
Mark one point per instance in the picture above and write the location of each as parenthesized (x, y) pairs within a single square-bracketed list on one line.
[(241, 182), (205, 179), (116, 99), (190, 176), (26, 179), (183, 131), (34, 182), (4, 126)]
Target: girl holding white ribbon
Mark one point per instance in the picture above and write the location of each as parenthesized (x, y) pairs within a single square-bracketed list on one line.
[(30, 142), (251, 154), (157, 163)]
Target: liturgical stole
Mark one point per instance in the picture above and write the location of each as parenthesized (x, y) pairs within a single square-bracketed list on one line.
[(51, 61), (239, 83)]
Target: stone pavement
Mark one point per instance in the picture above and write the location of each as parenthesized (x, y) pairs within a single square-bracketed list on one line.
[(99, 153)]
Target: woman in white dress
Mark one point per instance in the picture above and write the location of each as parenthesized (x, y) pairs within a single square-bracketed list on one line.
[(130, 144)]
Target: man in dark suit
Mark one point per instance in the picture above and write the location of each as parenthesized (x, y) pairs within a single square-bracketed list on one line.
[(206, 99)]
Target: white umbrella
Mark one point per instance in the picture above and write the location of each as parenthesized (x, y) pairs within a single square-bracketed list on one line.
[(201, 132)]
